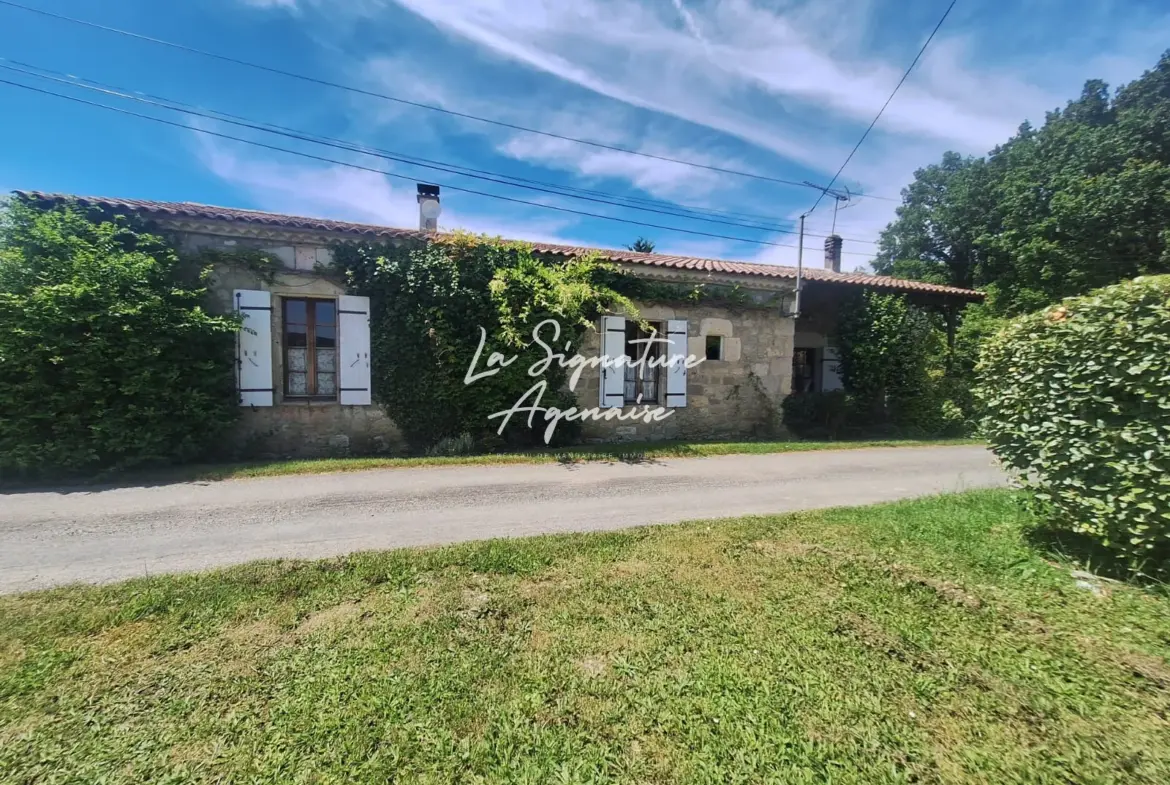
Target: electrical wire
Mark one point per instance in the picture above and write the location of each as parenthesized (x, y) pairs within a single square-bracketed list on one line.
[(396, 175), (881, 111), (416, 104), (172, 105)]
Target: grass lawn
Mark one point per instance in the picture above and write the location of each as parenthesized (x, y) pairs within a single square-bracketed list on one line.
[(920, 641), (630, 452)]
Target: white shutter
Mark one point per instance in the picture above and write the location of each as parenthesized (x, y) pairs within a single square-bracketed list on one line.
[(613, 376), (254, 347), (831, 371), (353, 349), (676, 372)]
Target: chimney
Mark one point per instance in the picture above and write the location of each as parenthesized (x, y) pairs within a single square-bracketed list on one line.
[(833, 253), (428, 208)]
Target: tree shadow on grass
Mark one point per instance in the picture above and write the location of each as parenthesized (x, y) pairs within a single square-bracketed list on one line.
[(1085, 553)]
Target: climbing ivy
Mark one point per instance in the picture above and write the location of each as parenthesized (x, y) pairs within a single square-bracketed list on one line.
[(262, 264), (727, 295), (431, 305)]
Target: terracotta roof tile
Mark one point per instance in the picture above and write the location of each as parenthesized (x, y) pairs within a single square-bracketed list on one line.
[(209, 212)]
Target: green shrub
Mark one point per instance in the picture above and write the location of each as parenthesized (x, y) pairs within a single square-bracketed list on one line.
[(937, 410), (817, 415), (893, 363), (886, 345), (840, 415), (1078, 401), (107, 360)]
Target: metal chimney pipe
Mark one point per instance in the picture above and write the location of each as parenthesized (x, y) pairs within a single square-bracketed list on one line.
[(429, 208)]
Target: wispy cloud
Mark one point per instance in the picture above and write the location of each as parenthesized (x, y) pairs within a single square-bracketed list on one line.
[(654, 176), (346, 194), (753, 65), (782, 88), (287, 4), (317, 190)]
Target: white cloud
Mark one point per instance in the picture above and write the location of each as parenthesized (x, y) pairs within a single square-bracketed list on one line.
[(689, 21), (797, 80), (750, 57), (345, 194), (319, 191), (655, 176), (289, 4)]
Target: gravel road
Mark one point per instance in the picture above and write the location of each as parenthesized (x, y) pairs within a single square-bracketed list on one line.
[(99, 535)]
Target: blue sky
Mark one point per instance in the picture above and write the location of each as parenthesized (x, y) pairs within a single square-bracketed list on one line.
[(780, 88)]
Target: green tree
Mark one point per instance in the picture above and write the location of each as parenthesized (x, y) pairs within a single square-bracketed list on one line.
[(107, 358), (1080, 203), (936, 235), (642, 245), (886, 348)]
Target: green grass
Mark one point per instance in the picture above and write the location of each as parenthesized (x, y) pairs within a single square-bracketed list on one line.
[(920, 642), (629, 452)]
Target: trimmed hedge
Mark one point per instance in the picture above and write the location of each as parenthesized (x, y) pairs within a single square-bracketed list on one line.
[(107, 358), (1077, 399)]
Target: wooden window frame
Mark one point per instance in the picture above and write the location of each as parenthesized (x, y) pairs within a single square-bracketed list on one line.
[(655, 375), (311, 325)]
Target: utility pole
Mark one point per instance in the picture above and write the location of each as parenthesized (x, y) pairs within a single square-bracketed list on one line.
[(799, 268), (840, 196)]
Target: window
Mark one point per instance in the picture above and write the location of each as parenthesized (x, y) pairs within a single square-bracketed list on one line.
[(642, 381), (804, 373), (310, 349), (714, 347)]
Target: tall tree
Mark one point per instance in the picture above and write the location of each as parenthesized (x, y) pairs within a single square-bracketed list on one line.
[(1081, 202), (943, 212)]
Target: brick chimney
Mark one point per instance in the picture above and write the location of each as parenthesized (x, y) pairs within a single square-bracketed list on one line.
[(833, 253), (428, 208)]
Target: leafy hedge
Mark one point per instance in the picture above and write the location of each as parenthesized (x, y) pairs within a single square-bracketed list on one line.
[(892, 359), (107, 360), (1078, 400), (428, 305)]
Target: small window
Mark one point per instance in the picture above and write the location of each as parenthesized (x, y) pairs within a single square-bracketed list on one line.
[(310, 349), (714, 347), (642, 382)]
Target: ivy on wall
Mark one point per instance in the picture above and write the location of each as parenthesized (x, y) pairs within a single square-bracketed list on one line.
[(432, 303), (262, 264), (731, 296)]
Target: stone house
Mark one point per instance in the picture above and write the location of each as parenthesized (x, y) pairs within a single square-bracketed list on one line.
[(304, 362)]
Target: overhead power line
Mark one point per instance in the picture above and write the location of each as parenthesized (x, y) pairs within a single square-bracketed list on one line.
[(416, 104), (881, 111), (396, 175), (549, 188)]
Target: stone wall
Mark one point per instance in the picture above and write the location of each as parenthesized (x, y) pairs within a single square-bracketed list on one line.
[(293, 428), (735, 397), (312, 429)]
